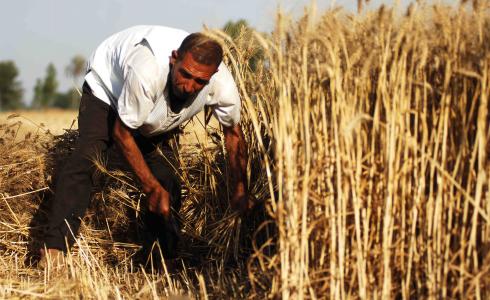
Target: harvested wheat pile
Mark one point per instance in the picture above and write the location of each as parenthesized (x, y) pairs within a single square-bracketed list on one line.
[(215, 243), (368, 140)]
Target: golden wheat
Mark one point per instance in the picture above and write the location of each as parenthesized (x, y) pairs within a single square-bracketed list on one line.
[(368, 140)]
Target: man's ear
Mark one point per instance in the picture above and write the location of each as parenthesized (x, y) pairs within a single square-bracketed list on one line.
[(173, 57)]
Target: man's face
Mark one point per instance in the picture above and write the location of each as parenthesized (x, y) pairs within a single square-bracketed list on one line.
[(189, 77)]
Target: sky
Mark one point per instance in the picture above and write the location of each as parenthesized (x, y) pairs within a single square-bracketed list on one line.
[(36, 32)]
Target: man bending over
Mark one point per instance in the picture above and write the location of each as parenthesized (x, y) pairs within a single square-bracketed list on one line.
[(141, 84)]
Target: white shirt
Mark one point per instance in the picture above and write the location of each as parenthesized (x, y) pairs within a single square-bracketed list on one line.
[(129, 71)]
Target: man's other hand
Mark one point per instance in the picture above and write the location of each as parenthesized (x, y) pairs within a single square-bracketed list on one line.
[(159, 201), (237, 160)]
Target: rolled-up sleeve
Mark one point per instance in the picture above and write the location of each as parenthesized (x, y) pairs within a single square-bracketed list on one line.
[(226, 98)]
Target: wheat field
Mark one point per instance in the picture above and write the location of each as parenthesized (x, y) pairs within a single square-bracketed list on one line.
[(40, 121), (368, 158)]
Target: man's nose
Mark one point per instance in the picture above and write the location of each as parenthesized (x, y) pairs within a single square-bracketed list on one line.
[(189, 87)]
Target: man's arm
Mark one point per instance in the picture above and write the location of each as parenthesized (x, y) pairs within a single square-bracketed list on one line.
[(237, 161), (158, 197)]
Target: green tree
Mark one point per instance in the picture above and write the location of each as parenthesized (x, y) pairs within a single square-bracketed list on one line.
[(67, 100), (50, 87), (10, 88), (234, 28), (242, 35), (76, 68), (45, 91), (38, 94)]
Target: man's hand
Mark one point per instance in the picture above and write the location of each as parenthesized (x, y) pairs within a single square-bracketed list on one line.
[(158, 200), (158, 197)]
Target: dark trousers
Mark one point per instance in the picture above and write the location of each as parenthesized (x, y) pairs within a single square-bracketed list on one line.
[(75, 182)]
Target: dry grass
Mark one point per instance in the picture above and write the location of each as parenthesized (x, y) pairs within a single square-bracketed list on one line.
[(368, 140), (56, 121), (40, 121)]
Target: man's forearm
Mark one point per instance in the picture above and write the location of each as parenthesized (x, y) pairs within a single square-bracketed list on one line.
[(237, 155), (133, 155)]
